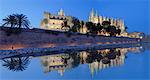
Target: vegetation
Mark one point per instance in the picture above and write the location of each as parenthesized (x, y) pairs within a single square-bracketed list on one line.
[(17, 63), (93, 56), (76, 25), (93, 28), (16, 22), (82, 24), (106, 27), (65, 25)]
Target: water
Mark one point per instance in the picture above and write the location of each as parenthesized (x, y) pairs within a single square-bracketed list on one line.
[(108, 64)]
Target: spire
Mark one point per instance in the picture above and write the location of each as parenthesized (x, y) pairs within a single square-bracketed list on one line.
[(92, 12), (96, 13), (61, 12)]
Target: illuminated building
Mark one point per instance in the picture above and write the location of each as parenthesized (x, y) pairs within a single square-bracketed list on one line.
[(55, 22), (96, 18)]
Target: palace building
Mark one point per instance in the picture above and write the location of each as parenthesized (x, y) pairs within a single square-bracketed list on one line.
[(54, 22)]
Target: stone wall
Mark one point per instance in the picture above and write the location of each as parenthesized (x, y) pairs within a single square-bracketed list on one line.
[(48, 38)]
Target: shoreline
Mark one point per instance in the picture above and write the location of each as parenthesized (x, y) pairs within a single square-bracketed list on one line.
[(61, 49)]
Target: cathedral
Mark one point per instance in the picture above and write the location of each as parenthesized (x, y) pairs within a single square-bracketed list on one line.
[(96, 18)]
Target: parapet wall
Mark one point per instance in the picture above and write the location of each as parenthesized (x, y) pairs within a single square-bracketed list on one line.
[(47, 38)]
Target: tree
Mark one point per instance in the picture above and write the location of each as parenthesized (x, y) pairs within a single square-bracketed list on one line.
[(107, 27), (22, 21), (82, 24), (17, 63), (10, 20), (105, 24), (65, 25), (112, 30), (16, 21), (9, 63), (76, 25), (99, 27), (118, 31), (91, 27), (111, 54), (76, 59)]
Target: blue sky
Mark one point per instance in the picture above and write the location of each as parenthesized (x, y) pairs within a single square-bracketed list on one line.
[(134, 12)]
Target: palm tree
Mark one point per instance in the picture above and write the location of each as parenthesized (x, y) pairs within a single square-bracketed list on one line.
[(22, 63), (15, 20), (9, 63), (17, 63), (22, 21), (10, 20)]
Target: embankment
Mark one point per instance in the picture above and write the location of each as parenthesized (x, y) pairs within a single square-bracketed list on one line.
[(38, 38)]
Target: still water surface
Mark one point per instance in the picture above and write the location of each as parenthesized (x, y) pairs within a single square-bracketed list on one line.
[(109, 64)]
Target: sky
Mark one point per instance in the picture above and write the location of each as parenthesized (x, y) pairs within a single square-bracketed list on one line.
[(135, 13)]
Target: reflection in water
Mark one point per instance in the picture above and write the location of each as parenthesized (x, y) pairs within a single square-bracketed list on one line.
[(96, 59), (17, 63)]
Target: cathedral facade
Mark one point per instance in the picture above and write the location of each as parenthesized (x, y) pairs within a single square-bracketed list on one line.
[(96, 18)]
